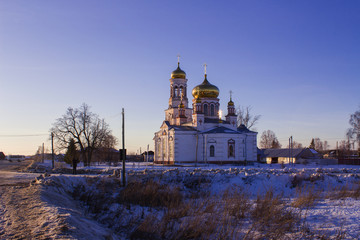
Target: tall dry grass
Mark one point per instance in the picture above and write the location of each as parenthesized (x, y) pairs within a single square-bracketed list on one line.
[(168, 212), (306, 197)]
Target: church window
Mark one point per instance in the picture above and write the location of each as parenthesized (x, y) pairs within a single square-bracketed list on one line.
[(181, 91), (171, 151), (217, 110), (205, 109), (176, 93), (231, 148), (163, 149), (159, 148), (212, 110), (212, 151)]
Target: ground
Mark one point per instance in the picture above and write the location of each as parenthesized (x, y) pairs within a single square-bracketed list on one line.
[(315, 201), (30, 211)]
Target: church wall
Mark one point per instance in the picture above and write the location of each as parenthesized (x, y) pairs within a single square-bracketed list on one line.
[(185, 147), (251, 147), (220, 141), (164, 147)]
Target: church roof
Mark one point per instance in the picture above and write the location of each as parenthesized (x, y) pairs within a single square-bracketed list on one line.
[(182, 128), (221, 130), (178, 128), (214, 120), (243, 129)]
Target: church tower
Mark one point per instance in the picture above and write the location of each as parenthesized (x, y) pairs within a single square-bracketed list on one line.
[(178, 96), (205, 103), (231, 116)]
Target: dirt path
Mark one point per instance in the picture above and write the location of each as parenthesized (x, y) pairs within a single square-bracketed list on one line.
[(22, 213), (36, 211)]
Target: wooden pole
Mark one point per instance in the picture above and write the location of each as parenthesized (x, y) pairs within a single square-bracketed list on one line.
[(52, 150), (123, 149), (43, 153)]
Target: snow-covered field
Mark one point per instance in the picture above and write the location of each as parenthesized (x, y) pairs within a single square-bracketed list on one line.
[(188, 202)]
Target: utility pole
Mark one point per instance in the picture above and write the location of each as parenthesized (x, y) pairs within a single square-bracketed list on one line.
[(147, 153), (291, 160), (52, 150), (291, 150), (43, 153), (123, 149)]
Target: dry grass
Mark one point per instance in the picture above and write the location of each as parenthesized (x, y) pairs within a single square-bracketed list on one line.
[(305, 197), (236, 202), (150, 194), (167, 213), (343, 192), (271, 218)]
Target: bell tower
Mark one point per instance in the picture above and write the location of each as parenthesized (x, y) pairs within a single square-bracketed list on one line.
[(178, 96), (231, 116)]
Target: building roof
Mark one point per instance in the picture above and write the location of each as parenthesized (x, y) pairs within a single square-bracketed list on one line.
[(215, 120), (285, 152), (178, 128), (182, 128), (282, 152), (221, 129), (243, 129)]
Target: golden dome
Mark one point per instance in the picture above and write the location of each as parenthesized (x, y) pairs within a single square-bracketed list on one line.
[(205, 90), (230, 103), (178, 73)]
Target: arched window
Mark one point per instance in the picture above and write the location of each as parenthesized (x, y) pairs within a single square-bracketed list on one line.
[(231, 151), (231, 148), (176, 91), (212, 151), (217, 110), (212, 110), (205, 109), (181, 91)]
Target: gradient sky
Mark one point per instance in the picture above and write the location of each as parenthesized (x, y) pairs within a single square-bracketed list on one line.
[(297, 63)]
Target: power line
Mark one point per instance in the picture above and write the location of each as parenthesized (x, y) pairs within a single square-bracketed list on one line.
[(25, 135)]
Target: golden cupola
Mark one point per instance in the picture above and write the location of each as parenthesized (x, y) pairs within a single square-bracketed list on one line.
[(178, 73), (205, 90)]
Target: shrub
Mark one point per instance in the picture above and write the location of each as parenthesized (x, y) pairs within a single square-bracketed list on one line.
[(305, 197), (236, 202), (150, 194), (271, 218)]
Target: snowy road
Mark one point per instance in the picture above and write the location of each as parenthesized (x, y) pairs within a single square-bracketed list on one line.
[(9, 176), (34, 211)]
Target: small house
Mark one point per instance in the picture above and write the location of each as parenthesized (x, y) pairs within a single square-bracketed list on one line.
[(286, 155)]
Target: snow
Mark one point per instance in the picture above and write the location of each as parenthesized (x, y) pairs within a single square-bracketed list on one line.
[(59, 209)]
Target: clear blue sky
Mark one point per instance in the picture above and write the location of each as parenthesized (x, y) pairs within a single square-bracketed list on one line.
[(297, 63)]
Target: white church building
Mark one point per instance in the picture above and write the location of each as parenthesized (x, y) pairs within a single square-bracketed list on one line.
[(198, 134)]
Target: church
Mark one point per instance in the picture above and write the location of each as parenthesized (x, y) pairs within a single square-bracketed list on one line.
[(199, 134)]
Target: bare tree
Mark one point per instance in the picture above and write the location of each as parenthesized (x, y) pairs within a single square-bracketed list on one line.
[(296, 145), (319, 145), (354, 132), (269, 140), (244, 117), (86, 128), (344, 148)]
